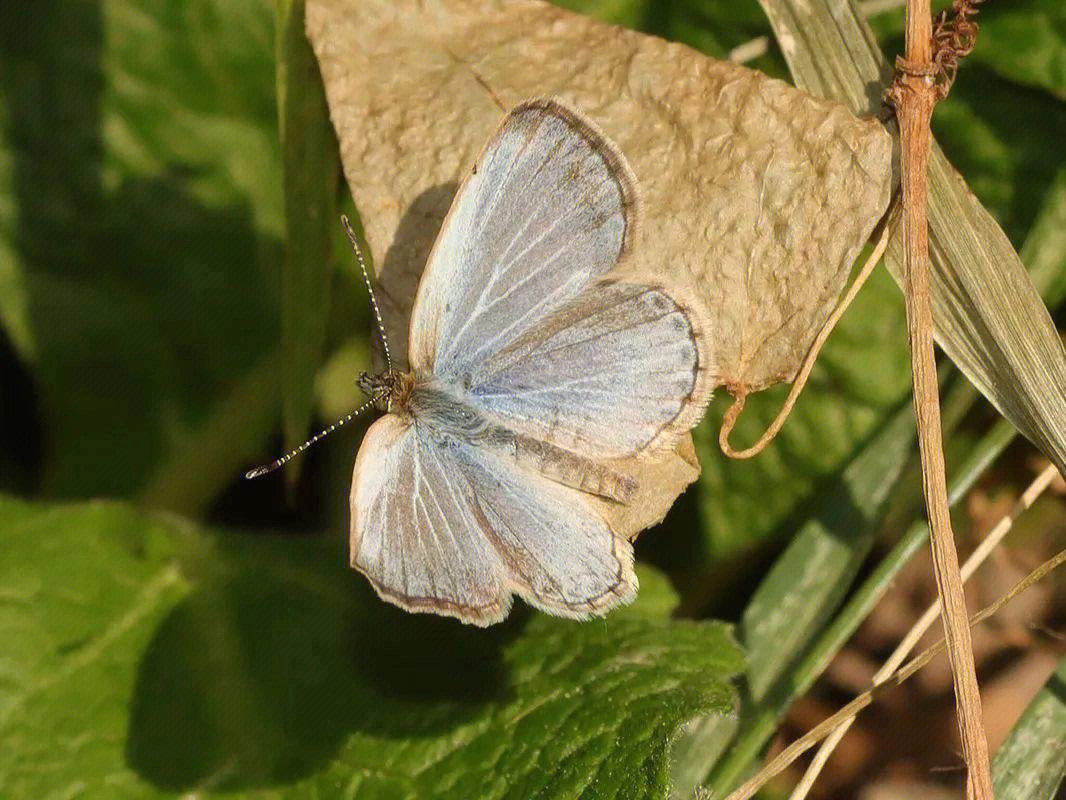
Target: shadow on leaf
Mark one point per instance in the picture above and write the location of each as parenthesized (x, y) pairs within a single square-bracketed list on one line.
[(401, 269), (257, 679)]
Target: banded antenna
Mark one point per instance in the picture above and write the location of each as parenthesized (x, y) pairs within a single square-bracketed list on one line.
[(322, 434), (369, 288)]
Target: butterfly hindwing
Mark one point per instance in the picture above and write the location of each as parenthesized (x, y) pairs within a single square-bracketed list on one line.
[(413, 533), (442, 525), (561, 554)]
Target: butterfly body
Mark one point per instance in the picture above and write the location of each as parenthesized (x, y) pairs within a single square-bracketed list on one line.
[(448, 418), (537, 379)]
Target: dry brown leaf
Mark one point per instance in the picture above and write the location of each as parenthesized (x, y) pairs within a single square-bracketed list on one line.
[(756, 195)]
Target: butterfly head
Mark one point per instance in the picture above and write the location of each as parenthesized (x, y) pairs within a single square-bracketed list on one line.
[(390, 389)]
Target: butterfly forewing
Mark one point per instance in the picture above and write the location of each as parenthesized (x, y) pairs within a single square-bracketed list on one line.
[(550, 207), (513, 306)]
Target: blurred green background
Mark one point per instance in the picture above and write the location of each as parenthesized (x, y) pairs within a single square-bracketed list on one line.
[(166, 626)]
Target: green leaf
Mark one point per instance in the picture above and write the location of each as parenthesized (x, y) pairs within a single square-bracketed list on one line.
[(143, 656), (140, 205), (1005, 139), (804, 586), (760, 720), (311, 169), (1026, 42), (1030, 765), (811, 576), (1044, 251)]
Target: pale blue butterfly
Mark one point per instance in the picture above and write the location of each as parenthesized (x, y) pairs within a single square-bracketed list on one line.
[(535, 379)]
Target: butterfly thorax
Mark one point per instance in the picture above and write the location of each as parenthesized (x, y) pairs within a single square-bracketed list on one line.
[(443, 409)]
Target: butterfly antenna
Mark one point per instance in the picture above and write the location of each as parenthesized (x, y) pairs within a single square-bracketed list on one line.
[(322, 434), (369, 287)]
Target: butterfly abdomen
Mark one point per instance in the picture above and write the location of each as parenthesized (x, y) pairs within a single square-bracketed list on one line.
[(449, 417), (573, 470)]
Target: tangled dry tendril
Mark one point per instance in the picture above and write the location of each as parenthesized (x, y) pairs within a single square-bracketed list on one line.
[(954, 37)]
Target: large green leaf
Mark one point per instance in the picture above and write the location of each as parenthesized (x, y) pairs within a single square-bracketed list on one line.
[(143, 656), (140, 208), (311, 170), (1025, 41)]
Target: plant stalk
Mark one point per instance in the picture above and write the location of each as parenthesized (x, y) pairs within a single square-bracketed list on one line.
[(914, 95)]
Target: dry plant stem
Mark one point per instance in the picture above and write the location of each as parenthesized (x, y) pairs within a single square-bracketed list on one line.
[(782, 761), (903, 649), (914, 95), (733, 412)]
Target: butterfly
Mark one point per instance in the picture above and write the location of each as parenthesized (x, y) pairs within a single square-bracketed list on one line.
[(533, 373), (538, 376)]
